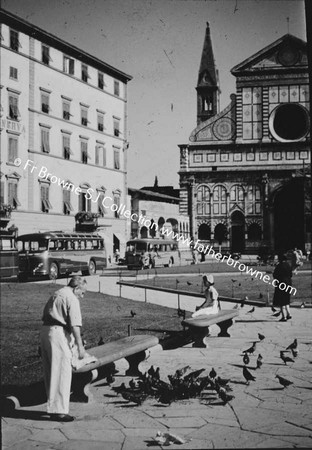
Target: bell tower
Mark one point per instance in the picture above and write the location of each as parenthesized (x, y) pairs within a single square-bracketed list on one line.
[(208, 90)]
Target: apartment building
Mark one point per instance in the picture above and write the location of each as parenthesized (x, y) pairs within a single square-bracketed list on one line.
[(63, 133)]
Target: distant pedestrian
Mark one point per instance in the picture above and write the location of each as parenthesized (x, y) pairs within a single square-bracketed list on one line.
[(59, 335), (296, 260), (281, 299), (117, 255), (211, 304)]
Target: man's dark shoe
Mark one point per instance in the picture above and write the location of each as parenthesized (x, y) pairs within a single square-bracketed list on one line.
[(62, 417)]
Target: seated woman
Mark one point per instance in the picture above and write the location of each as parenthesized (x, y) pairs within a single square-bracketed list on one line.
[(211, 304)]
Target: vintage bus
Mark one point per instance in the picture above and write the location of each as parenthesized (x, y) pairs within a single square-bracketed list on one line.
[(56, 253), (149, 253), (8, 255)]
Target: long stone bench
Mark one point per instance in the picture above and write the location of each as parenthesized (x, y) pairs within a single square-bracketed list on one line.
[(132, 348), (198, 327)]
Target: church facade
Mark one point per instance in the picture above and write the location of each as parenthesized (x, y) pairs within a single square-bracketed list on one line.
[(245, 172)]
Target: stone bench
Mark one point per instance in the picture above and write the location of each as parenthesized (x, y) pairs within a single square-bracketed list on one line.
[(198, 327), (132, 348)]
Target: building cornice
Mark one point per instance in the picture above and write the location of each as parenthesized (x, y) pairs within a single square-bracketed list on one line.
[(35, 32)]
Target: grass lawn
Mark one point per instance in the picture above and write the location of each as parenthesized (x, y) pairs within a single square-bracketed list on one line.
[(236, 285), (103, 316)]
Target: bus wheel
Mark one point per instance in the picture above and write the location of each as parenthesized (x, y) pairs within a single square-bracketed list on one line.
[(92, 267), (53, 271)]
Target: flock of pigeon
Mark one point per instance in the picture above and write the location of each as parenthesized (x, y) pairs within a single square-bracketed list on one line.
[(182, 385), (293, 348)]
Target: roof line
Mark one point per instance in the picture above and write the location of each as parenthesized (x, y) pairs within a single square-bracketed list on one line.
[(35, 31)]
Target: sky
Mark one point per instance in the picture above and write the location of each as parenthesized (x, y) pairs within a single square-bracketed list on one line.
[(159, 43)]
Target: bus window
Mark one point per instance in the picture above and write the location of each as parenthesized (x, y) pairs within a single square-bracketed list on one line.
[(53, 245), (38, 246), (82, 245), (89, 245), (141, 247), (130, 248), (74, 245), (6, 244)]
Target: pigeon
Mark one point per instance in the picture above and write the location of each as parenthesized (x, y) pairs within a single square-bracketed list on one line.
[(260, 357), (250, 349), (276, 314), (224, 396), (135, 397), (189, 283), (261, 336), (259, 362), (244, 301), (293, 345), (151, 371), (294, 352), (101, 341), (247, 375), (222, 381), (251, 310), (246, 358), (212, 373), (302, 305), (110, 379), (181, 313), (285, 359), (166, 397), (166, 439), (283, 381), (193, 375), (236, 306), (120, 388), (132, 313), (180, 372), (273, 309), (132, 384)]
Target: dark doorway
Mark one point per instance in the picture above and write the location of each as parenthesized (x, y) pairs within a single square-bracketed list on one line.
[(237, 232), (220, 233), (204, 233), (288, 217)]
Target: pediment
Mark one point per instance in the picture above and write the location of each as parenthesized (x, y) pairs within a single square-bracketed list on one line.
[(283, 54)]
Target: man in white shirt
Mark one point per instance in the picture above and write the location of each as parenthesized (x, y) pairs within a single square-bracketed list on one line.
[(60, 332)]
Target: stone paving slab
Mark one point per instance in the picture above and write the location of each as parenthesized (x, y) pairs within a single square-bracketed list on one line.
[(262, 415)]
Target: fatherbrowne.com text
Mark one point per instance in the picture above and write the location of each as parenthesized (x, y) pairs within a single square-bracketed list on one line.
[(209, 251)]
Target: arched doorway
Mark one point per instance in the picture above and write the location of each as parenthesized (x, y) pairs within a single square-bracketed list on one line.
[(220, 233), (143, 233), (289, 217), (204, 232), (237, 232)]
